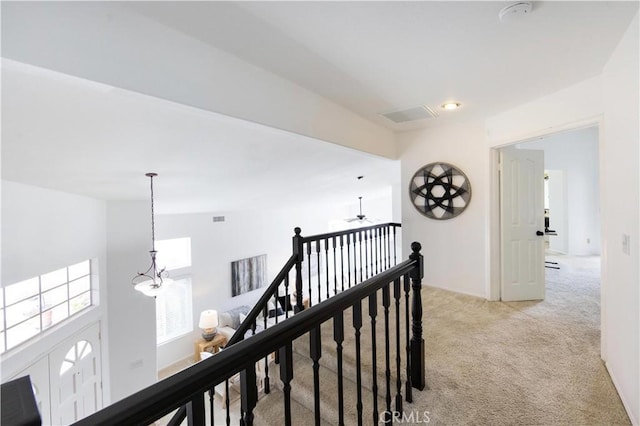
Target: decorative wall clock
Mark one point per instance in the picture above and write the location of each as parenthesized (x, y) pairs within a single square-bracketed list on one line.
[(440, 191)]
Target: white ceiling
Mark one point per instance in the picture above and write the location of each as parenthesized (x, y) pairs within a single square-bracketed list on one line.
[(78, 136), (375, 57), (65, 133)]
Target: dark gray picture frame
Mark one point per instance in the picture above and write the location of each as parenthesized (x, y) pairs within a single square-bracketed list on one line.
[(248, 274)]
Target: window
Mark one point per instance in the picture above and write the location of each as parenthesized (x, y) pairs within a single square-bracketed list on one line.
[(174, 315), (174, 312), (32, 306)]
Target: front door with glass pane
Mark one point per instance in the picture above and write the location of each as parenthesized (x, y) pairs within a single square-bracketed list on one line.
[(75, 377)]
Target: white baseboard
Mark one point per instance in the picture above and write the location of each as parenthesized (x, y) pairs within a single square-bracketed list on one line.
[(627, 408)]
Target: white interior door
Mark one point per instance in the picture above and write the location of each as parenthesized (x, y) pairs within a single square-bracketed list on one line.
[(75, 377), (522, 224)]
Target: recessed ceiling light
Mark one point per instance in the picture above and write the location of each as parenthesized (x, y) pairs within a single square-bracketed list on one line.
[(451, 105)]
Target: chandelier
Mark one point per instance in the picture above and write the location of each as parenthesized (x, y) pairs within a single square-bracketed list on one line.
[(153, 281)]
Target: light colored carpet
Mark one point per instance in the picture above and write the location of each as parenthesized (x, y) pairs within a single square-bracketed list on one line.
[(520, 363)]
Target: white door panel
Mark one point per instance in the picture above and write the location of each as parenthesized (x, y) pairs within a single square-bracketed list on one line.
[(522, 217), (75, 377)]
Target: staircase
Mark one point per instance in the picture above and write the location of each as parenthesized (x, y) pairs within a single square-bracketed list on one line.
[(390, 394), (352, 357)]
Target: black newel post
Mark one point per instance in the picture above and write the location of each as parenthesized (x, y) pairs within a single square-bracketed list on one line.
[(297, 250), (417, 342)]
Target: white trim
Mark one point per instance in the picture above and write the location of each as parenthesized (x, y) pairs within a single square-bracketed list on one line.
[(625, 403)]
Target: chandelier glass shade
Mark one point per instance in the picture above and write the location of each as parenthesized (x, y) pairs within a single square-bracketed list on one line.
[(152, 282)]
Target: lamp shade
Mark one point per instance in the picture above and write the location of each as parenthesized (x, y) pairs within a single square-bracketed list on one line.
[(208, 319)]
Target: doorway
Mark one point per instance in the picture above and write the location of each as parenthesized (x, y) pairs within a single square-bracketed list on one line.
[(572, 159)]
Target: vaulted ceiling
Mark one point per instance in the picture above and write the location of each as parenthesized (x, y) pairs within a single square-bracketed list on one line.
[(63, 131)]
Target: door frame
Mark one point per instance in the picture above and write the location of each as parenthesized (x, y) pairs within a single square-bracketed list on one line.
[(495, 265)]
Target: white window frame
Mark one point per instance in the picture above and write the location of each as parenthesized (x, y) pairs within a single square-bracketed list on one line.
[(182, 277), (42, 309)]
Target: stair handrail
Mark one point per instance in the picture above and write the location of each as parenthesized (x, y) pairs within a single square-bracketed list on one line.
[(187, 386), (295, 260)]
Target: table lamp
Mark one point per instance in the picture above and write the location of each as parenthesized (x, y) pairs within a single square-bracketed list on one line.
[(208, 323)]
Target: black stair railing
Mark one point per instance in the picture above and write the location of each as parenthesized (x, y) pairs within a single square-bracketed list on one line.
[(189, 387), (320, 267)]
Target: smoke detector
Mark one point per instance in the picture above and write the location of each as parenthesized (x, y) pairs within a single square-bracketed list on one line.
[(515, 11)]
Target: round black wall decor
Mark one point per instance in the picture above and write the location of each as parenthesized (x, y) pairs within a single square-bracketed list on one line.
[(440, 191)]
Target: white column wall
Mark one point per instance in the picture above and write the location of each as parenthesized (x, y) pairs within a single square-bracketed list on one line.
[(455, 250)]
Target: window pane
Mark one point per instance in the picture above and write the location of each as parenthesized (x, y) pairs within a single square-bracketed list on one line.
[(79, 286), (2, 348), (54, 297), (55, 315), (1, 319), (21, 290), (79, 270), (54, 279), (23, 332), (1, 296), (173, 254), (174, 311), (80, 302), (23, 310)]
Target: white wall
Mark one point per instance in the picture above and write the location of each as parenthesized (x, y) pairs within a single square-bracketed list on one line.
[(454, 250), (620, 216), (576, 154), (132, 316), (150, 58), (44, 230), (614, 97), (243, 234)]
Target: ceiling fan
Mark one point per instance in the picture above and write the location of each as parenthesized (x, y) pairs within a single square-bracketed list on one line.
[(359, 217)]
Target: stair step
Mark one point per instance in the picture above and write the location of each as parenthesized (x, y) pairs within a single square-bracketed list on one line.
[(329, 354), (270, 411), (302, 391)]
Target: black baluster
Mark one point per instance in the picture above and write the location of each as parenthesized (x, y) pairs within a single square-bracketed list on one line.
[(349, 258), (386, 301), (195, 410), (360, 247), (286, 375), (286, 296), (297, 250), (248, 393), (267, 387), (211, 392), (318, 262), (338, 337), (366, 253), (395, 243), (387, 241), (315, 350), (335, 268), (396, 296), (341, 262), (309, 272), (407, 321), (373, 312), (376, 233), (357, 324), (417, 342), (275, 304), (326, 265), (226, 401)]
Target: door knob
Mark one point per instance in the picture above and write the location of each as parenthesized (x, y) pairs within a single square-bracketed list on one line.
[(539, 233)]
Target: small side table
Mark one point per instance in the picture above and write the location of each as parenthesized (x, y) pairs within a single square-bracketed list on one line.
[(212, 346)]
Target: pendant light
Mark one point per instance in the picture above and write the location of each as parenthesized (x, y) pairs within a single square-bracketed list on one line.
[(152, 282)]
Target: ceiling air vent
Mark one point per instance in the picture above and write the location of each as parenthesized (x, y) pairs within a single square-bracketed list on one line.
[(410, 114), (218, 218)]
